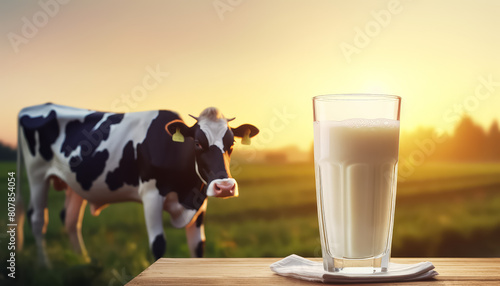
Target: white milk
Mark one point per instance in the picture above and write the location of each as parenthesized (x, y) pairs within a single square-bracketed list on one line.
[(356, 160)]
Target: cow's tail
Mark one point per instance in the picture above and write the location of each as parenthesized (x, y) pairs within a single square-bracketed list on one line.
[(20, 213)]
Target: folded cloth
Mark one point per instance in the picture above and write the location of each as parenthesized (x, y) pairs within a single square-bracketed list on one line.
[(301, 268)]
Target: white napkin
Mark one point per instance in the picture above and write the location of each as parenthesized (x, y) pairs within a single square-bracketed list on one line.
[(301, 268)]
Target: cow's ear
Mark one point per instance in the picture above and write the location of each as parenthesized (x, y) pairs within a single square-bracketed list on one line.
[(245, 131), (178, 130)]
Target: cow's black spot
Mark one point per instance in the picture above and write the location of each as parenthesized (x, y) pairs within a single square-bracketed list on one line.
[(29, 214), (159, 246), (200, 249), (199, 219), (228, 140), (211, 164), (88, 164), (201, 138), (157, 148), (86, 134), (127, 171), (88, 169), (47, 129), (62, 215), (170, 163), (75, 131)]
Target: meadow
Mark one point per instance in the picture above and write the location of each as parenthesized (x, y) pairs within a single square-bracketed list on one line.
[(442, 209)]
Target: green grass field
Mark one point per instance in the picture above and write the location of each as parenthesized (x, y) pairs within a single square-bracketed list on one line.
[(441, 210)]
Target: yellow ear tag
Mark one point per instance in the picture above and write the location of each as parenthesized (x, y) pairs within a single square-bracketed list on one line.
[(246, 138), (177, 137)]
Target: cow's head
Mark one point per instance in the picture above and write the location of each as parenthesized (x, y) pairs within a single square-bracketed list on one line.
[(213, 144)]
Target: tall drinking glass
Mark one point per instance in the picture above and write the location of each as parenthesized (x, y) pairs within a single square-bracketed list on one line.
[(356, 144)]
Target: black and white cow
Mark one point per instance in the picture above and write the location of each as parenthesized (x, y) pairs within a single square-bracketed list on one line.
[(150, 157)]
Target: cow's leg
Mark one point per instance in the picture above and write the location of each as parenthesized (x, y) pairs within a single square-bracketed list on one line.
[(153, 210), (39, 216), (74, 209), (195, 233), (179, 215)]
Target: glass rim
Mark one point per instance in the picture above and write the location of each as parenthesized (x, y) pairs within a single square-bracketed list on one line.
[(356, 96)]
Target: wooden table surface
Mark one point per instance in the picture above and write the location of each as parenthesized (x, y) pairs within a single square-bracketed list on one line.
[(255, 271)]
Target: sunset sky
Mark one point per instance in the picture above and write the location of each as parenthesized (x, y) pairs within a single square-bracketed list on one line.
[(260, 61)]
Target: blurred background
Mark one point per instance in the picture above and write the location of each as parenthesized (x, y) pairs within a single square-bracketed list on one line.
[(262, 62)]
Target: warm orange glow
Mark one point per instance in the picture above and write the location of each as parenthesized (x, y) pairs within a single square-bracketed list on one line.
[(261, 61)]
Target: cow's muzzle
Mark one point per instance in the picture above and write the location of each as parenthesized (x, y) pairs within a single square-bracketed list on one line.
[(223, 188)]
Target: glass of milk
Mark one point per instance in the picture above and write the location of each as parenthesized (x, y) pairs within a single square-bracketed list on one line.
[(356, 144)]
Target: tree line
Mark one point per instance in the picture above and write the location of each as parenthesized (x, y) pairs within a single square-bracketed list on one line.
[(469, 142), (7, 153)]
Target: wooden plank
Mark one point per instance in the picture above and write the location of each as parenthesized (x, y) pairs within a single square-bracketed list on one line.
[(255, 271)]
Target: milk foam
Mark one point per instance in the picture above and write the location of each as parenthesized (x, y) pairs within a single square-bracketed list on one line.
[(363, 122)]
